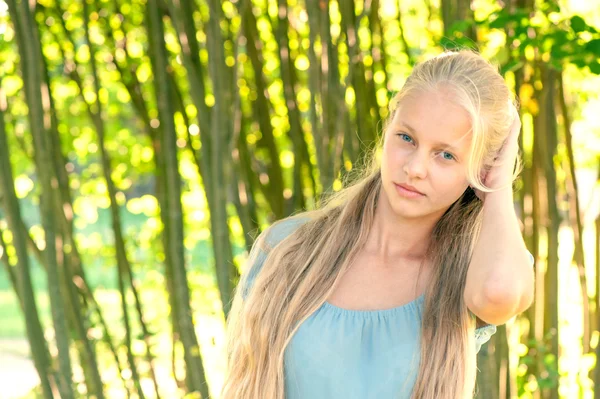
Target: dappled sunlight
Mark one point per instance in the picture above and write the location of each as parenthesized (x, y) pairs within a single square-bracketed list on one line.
[(150, 145)]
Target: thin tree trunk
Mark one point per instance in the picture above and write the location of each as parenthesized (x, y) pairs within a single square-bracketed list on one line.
[(22, 281), (248, 181), (173, 213), (336, 116), (487, 379), (537, 210), (326, 91), (68, 260), (273, 190), (371, 11), (134, 89), (315, 81), (455, 11), (204, 159), (575, 214), (546, 132), (243, 197), (237, 193), (73, 259), (226, 272), (288, 79), (364, 121), (28, 48), (596, 372), (123, 265), (12, 275), (405, 45), (378, 44)]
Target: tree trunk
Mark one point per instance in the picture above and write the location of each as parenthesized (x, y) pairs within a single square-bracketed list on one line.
[(545, 145), (575, 214), (28, 49), (172, 215), (23, 286), (273, 190), (123, 265), (226, 272)]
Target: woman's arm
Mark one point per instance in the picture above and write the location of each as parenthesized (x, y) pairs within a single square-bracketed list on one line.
[(500, 280)]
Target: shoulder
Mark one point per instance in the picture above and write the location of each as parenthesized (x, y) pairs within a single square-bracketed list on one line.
[(281, 229), (266, 241)]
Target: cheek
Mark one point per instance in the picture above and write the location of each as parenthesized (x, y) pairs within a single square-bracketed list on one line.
[(389, 159), (451, 182), (393, 156)]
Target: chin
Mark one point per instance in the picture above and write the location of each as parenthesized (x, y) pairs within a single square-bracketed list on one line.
[(409, 211)]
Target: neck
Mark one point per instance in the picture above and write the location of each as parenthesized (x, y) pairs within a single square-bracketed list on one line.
[(395, 237)]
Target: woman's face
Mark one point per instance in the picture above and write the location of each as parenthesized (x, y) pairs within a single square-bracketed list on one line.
[(426, 148)]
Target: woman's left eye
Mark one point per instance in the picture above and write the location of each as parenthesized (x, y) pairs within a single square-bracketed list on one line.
[(447, 156)]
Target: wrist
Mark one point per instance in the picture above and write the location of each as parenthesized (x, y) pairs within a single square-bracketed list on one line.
[(503, 196)]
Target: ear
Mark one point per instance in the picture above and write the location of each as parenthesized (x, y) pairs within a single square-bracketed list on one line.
[(484, 172)]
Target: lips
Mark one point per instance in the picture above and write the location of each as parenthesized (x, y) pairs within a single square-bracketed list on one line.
[(408, 190)]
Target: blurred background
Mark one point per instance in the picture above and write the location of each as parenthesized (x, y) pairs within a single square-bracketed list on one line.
[(145, 143)]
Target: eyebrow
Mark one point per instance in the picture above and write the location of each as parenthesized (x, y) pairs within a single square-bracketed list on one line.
[(437, 144)]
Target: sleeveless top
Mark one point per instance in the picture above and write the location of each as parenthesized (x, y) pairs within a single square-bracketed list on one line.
[(339, 353)]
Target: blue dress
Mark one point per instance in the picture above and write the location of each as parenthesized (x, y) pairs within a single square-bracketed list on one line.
[(339, 353)]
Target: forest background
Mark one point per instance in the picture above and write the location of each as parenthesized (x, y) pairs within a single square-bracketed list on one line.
[(145, 143)]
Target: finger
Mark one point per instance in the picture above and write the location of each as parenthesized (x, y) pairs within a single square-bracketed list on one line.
[(515, 127)]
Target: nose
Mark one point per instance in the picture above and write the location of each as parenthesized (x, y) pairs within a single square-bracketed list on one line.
[(416, 166)]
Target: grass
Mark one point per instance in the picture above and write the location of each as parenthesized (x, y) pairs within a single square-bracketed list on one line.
[(210, 330)]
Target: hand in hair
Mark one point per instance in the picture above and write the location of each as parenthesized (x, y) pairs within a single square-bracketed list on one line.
[(500, 176)]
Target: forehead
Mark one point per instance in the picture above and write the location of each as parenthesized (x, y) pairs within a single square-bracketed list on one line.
[(434, 116)]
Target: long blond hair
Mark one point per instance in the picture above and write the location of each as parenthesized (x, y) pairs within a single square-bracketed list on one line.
[(301, 271)]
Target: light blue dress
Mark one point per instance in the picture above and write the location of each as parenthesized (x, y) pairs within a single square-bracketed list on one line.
[(343, 354)]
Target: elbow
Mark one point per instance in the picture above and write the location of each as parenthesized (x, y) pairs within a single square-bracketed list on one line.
[(500, 304), (517, 294)]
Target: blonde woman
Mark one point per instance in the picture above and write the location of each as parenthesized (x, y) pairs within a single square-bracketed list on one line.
[(391, 287)]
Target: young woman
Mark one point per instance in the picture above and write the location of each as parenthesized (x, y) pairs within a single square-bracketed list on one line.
[(391, 287)]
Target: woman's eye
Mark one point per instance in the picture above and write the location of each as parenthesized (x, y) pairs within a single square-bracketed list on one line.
[(447, 156), (405, 137)]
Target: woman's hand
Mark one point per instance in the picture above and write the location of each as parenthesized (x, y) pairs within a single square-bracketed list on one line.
[(500, 175)]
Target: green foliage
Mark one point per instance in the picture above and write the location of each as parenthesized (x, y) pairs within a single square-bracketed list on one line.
[(541, 367), (265, 173)]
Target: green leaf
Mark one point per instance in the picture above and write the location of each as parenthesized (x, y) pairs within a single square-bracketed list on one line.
[(593, 46), (578, 24), (595, 67), (578, 62)]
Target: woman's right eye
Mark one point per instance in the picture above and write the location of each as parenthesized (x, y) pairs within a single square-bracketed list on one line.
[(405, 137)]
